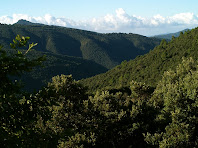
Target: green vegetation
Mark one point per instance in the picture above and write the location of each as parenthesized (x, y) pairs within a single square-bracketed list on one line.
[(18, 110), (150, 67), (59, 64), (107, 50), (70, 51), (64, 113), (176, 98)]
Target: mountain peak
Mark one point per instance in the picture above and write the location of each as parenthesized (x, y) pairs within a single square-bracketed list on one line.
[(25, 22)]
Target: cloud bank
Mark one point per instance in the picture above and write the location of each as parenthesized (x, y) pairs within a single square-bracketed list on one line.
[(120, 21)]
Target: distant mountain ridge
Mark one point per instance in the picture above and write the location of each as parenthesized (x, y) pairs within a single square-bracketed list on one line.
[(170, 35)]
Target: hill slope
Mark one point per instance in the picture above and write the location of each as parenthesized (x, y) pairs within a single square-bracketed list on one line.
[(107, 50), (149, 67), (59, 64), (169, 35), (70, 51)]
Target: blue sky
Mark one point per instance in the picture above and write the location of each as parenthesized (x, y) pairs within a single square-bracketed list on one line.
[(147, 17)]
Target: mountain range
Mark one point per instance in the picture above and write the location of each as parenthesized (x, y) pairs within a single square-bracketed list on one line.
[(107, 50), (78, 52)]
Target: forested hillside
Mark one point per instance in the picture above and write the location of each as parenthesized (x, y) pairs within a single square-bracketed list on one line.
[(70, 51), (148, 68), (107, 50), (65, 114), (56, 64)]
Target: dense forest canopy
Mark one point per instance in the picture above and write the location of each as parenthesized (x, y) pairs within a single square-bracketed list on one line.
[(152, 101)]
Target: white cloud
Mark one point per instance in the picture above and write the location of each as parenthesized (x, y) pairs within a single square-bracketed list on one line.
[(118, 22), (184, 18)]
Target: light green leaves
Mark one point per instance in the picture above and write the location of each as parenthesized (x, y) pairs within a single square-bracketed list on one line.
[(21, 41)]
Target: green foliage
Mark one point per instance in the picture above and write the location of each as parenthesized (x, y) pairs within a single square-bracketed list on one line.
[(79, 141), (56, 65), (150, 67), (66, 112), (176, 96), (19, 111), (63, 114), (16, 63), (103, 120)]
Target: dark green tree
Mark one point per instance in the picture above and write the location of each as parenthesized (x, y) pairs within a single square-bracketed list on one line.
[(19, 111)]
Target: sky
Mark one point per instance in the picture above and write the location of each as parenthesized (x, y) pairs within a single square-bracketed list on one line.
[(145, 17)]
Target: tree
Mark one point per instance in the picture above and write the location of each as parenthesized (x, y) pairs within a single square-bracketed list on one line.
[(67, 117), (176, 96), (111, 119), (19, 111)]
